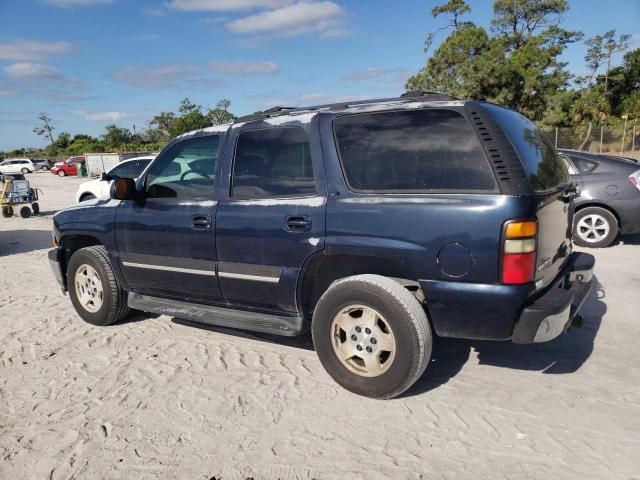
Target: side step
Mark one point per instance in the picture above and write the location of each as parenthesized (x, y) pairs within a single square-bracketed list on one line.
[(220, 316)]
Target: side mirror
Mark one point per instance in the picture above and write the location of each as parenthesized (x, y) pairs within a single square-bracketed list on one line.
[(123, 189), (104, 177)]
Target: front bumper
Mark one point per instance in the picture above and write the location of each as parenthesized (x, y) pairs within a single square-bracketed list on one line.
[(552, 313), (55, 260)]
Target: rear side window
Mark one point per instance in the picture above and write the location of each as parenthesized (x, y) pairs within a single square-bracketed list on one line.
[(585, 166), (542, 164), (272, 163), (411, 151)]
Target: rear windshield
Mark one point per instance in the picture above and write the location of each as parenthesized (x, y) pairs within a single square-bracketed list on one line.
[(432, 150), (544, 167)]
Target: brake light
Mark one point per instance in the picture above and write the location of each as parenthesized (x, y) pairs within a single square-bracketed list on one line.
[(634, 178), (519, 252)]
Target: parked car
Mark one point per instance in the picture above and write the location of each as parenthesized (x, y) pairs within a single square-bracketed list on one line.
[(42, 164), (376, 224), (100, 188), (68, 167), (609, 203), (16, 165)]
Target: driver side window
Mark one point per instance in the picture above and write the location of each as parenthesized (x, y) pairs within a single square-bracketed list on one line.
[(186, 171)]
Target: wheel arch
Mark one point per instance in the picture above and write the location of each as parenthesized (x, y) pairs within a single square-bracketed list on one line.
[(604, 206), (71, 244), (321, 270)]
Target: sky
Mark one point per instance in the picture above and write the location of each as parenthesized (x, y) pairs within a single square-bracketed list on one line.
[(87, 63)]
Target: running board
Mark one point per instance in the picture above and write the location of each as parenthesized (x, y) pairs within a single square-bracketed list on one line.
[(220, 316)]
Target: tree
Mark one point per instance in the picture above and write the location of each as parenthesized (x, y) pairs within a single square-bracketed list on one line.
[(516, 21), (612, 46), (160, 127), (594, 57), (455, 8), (220, 114), (46, 129), (190, 118), (115, 136), (63, 140), (517, 65)]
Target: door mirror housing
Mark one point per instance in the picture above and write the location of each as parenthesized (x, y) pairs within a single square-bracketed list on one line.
[(104, 176), (123, 189)]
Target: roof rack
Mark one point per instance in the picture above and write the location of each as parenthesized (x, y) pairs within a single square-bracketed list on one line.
[(404, 98)]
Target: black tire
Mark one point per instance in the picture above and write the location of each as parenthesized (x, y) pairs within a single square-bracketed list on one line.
[(61, 173), (114, 303), (7, 212), (36, 208), (87, 196), (603, 218), (25, 171), (405, 317), (45, 168), (25, 212)]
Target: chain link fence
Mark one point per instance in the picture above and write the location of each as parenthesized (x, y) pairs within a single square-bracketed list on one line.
[(609, 140)]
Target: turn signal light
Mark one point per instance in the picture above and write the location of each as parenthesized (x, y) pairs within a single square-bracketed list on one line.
[(521, 229), (519, 252)]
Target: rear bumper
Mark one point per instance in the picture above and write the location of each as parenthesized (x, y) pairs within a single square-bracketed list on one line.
[(55, 257), (552, 314)]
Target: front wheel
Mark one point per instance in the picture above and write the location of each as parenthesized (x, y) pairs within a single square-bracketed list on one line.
[(594, 227), (371, 335), (25, 170), (45, 168), (61, 173), (7, 212), (93, 288)]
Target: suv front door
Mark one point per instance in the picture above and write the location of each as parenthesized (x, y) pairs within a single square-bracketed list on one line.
[(166, 240), (271, 216)]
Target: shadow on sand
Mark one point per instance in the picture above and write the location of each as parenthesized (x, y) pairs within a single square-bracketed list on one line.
[(566, 354)]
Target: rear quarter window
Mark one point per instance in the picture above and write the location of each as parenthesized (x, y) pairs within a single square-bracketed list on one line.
[(429, 150), (542, 164)]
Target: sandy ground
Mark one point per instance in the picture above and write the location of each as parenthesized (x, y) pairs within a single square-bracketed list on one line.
[(154, 398)]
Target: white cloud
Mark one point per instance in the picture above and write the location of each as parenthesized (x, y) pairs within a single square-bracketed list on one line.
[(32, 70), (103, 116), (76, 3), (388, 75), (24, 51), (300, 18), (155, 76), (244, 68), (225, 5)]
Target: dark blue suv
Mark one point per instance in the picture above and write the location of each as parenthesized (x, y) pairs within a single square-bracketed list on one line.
[(375, 224)]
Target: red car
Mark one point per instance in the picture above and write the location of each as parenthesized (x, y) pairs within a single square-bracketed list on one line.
[(68, 167)]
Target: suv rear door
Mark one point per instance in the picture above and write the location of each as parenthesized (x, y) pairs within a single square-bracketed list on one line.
[(271, 215)]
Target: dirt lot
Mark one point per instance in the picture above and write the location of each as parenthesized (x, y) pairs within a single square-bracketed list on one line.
[(155, 398)]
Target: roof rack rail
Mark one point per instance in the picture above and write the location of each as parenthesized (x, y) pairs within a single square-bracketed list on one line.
[(405, 97), (432, 95)]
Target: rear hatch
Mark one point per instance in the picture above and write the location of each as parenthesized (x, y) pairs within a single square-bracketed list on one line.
[(550, 191)]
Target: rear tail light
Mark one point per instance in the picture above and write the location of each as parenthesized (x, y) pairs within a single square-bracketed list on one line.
[(635, 179), (519, 252)]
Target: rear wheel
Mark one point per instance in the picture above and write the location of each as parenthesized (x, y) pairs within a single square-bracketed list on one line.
[(36, 208), (594, 227), (371, 335), (25, 212), (61, 173), (7, 212), (93, 288), (44, 167), (25, 170)]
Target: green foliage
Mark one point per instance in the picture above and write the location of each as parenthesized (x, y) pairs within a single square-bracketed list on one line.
[(160, 129), (517, 64)]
